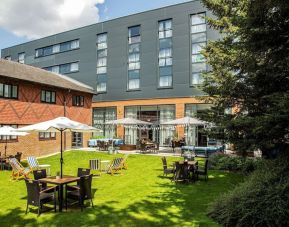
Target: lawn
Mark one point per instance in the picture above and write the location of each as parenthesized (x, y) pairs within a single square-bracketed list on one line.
[(140, 196)]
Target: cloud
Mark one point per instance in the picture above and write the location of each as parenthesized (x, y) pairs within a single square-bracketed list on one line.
[(38, 18)]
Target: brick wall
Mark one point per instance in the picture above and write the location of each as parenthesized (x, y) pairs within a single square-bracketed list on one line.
[(28, 109)]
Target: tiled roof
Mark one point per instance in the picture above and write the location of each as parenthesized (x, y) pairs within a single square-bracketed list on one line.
[(19, 71)]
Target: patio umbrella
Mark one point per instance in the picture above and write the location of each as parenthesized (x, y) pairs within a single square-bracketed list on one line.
[(186, 122), (128, 121), (9, 131), (60, 124)]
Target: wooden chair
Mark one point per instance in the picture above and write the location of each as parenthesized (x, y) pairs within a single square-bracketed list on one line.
[(115, 166), (38, 197), (203, 172), (165, 167), (18, 171), (95, 165), (82, 193)]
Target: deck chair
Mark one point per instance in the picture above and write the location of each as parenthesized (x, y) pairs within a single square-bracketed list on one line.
[(95, 166), (124, 162), (34, 165), (18, 171), (115, 166)]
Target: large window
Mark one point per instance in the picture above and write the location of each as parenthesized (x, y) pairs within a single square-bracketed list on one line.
[(165, 53), (8, 138), (101, 116), (21, 58), (134, 40), (101, 63), (64, 68), (77, 100), (198, 42), (8, 91), (57, 48), (48, 96)]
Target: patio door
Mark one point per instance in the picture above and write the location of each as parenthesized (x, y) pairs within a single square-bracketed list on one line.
[(77, 139)]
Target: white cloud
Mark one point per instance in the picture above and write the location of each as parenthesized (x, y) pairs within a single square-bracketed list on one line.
[(38, 18)]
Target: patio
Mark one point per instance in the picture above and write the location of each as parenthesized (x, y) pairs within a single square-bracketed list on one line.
[(139, 196)]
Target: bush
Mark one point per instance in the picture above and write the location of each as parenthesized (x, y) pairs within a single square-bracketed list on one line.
[(262, 200), (224, 162)]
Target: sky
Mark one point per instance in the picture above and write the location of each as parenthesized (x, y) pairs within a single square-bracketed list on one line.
[(22, 21)]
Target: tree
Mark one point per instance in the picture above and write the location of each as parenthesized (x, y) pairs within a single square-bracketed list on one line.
[(250, 72)]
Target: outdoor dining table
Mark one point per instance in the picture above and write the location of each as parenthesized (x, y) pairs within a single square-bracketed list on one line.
[(59, 182), (186, 167)]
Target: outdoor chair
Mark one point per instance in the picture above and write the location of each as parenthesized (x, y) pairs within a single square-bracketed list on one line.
[(38, 197), (203, 172), (39, 174), (34, 164), (115, 166), (165, 167), (80, 172), (82, 193), (18, 156), (124, 161), (102, 145), (95, 165), (18, 171)]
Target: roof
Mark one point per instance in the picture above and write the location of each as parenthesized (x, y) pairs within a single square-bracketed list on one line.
[(19, 71)]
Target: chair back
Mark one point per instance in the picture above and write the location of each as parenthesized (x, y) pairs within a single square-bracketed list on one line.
[(83, 171), (85, 187), (95, 164), (18, 156), (117, 162), (16, 166), (32, 162), (39, 174), (164, 160), (33, 192)]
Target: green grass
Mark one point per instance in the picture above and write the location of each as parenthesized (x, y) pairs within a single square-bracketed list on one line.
[(140, 196)]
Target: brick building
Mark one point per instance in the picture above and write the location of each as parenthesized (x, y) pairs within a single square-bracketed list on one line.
[(30, 95)]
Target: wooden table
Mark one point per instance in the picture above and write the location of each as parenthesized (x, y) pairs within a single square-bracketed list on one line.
[(59, 182), (186, 169)]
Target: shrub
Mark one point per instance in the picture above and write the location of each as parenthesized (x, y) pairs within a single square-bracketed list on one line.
[(262, 200), (225, 162)]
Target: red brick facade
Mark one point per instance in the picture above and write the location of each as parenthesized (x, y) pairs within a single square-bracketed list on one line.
[(28, 109)]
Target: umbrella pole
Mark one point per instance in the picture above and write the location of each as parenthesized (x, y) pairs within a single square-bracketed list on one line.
[(61, 150), (5, 147)]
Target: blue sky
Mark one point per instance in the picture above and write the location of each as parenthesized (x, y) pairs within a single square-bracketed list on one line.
[(108, 10)]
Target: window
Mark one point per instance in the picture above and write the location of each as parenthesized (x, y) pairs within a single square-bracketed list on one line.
[(77, 100), (8, 58), (165, 53), (100, 116), (198, 39), (21, 58), (48, 96), (47, 135), (101, 62), (8, 138), (101, 83), (64, 68), (134, 34), (165, 29), (134, 39), (8, 91), (57, 48)]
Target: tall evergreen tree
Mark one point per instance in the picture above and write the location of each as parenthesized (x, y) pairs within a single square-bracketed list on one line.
[(250, 72)]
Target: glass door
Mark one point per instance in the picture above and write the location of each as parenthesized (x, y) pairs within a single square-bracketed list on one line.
[(77, 140)]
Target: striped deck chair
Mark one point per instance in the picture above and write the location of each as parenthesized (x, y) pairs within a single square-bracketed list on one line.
[(34, 164), (124, 163), (115, 166), (95, 165), (18, 171)]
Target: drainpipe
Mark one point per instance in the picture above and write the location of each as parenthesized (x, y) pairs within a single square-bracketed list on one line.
[(64, 114)]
